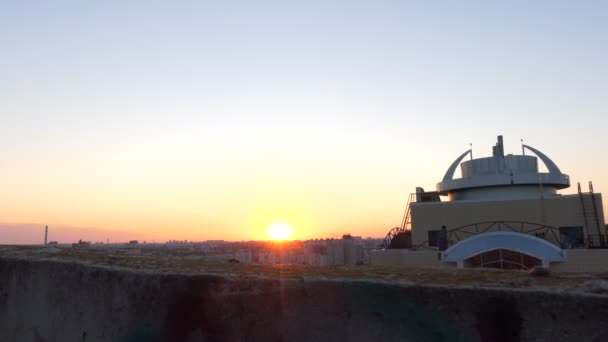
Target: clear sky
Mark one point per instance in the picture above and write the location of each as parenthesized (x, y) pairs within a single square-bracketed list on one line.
[(213, 119)]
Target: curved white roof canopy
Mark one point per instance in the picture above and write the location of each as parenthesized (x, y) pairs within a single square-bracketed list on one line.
[(450, 173), (523, 243), (553, 169)]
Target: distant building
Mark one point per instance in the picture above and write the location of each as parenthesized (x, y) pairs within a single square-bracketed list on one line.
[(244, 255), (81, 245), (350, 250), (179, 244)]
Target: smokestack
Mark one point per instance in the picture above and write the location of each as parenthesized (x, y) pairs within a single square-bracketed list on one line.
[(46, 234), (501, 149)]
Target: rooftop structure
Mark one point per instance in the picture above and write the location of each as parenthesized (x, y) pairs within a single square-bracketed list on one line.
[(502, 212), (502, 177)]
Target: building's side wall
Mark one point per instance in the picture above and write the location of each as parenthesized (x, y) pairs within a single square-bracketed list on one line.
[(406, 258), (583, 260), (558, 211), (577, 260)]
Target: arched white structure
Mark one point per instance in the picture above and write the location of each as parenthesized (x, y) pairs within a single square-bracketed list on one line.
[(449, 175), (553, 169), (518, 242)]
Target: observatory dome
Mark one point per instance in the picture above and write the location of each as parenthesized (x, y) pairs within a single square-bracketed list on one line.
[(502, 177)]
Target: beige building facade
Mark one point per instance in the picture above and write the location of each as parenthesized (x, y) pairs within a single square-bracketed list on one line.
[(556, 211)]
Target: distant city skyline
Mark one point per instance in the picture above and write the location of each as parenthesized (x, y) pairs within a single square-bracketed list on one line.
[(33, 234), (201, 120)]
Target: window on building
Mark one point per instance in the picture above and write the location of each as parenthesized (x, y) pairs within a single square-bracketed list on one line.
[(438, 238), (503, 259), (572, 237)]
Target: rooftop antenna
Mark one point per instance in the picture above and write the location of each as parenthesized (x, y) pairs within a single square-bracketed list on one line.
[(523, 150), (471, 148)]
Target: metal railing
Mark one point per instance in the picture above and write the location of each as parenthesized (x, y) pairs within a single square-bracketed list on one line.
[(597, 241), (542, 231)]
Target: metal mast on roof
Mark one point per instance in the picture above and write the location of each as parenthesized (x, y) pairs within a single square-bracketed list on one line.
[(471, 148)]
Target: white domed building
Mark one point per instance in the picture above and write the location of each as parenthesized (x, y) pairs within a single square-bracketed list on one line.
[(502, 212)]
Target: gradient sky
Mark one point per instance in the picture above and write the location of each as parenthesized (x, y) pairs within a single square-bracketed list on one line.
[(213, 119)]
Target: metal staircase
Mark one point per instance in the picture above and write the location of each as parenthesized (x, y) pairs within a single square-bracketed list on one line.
[(595, 236), (406, 222), (400, 237), (400, 231)]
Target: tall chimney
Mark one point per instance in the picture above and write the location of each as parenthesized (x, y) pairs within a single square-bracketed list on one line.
[(46, 234), (501, 149)]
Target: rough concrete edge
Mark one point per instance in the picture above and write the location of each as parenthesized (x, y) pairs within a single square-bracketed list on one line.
[(294, 281)]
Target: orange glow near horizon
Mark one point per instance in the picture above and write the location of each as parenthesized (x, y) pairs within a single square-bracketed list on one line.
[(279, 231)]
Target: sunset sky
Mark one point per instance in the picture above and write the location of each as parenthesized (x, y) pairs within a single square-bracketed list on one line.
[(214, 119)]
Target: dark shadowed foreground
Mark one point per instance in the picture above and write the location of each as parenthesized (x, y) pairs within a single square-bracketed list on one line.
[(58, 300)]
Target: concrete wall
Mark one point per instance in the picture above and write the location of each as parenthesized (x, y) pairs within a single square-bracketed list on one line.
[(53, 301), (405, 258), (558, 211), (577, 260), (583, 260)]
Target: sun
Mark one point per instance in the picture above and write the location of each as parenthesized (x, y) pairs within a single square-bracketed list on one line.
[(279, 231)]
